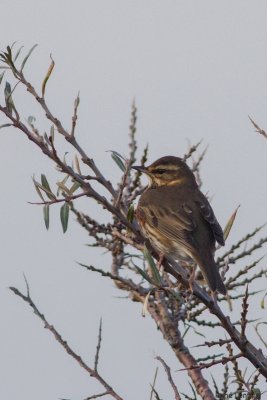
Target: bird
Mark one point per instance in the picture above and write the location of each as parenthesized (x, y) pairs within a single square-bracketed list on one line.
[(177, 219)]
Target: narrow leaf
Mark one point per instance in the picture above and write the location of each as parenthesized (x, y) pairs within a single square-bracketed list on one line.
[(31, 119), (77, 164), (48, 74), (229, 224), (153, 384), (8, 98), (64, 180), (5, 126), (143, 274), (64, 188), (77, 101), (46, 187), (153, 267), (18, 53), (1, 76), (52, 133), (27, 56), (74, 187), (117, 157), (64, 216), (262, 304), (36, 185), (46, 215), (130, 213)]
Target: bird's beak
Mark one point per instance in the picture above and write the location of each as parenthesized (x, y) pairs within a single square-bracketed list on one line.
[(139, 169)]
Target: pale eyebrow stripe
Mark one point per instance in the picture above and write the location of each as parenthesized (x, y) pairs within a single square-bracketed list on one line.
[(167, 167)]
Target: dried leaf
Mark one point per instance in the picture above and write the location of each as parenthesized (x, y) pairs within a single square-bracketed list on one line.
[(144, 309), (64, 188), (77, 164), (74, 187), (229, 224), (48, 74)]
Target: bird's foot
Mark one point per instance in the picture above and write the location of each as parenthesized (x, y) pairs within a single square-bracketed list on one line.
[(192, 279), (214, 297), (160, 260)]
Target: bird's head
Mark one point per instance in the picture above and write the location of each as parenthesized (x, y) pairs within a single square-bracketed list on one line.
[(168, 171)]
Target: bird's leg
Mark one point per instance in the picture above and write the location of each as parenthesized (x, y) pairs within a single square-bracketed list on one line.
[(161, 258), (214, 297), (192, 278)]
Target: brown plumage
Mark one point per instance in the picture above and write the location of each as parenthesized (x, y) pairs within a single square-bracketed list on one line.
[(178, 219)]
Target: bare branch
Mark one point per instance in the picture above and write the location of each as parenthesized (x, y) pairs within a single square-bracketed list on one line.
[(92, 372), (168, 372), (98, 345)]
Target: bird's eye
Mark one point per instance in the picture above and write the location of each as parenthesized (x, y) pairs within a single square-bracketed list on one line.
[(160, 171)]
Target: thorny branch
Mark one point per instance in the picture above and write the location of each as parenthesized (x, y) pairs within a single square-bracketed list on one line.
[(167, 301), (91, 371), (168, 372)]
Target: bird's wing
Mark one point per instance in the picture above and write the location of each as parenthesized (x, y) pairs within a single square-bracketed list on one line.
[(177, 225), (208, 214)]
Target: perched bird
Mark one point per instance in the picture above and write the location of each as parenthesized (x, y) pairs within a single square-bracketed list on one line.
[(177, 218)]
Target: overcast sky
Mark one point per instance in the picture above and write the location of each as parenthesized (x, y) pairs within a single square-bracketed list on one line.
[(196, 70)]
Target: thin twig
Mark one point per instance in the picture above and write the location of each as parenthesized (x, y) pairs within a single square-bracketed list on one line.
[(223, 361), (65, 345), (98, 345), (244, 314), (168, 372)]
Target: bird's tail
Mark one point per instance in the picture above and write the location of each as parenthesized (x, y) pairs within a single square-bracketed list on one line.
[(211, 274)]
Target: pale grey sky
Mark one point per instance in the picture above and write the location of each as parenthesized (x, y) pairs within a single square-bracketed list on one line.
[(196, 70)]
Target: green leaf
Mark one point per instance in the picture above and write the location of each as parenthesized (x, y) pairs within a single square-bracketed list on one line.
[(18, 53), (52, 133), (118, 160), (46, 215), (37, 187), (1, 76), (27, 56), (257, 393), (130, 213), (8, 97), (31, 119), (153, 267), (64, 216), (77, 101), (46, 187), (143, 274), (5, 126), (229, 224)]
